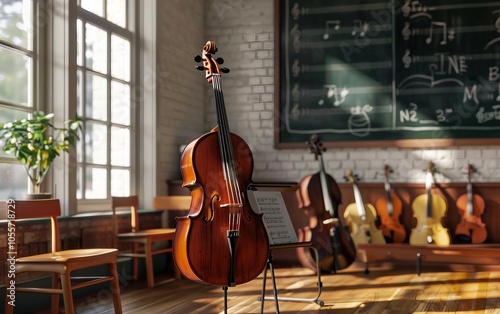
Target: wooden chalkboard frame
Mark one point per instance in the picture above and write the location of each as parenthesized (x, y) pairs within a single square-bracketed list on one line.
[(403, 143)]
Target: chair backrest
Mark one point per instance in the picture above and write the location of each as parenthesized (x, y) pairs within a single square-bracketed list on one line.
[(172, 202), (129, 202), (43, 208)]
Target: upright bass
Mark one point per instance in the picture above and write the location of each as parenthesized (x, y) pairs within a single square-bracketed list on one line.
[(470, 229), (319, 195), (222, 241)]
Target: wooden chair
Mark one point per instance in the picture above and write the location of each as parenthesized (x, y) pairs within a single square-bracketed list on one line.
[(62, 263), (142, 240), (174, 203)]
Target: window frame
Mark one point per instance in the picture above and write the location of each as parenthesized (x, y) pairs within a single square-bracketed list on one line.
[(129, 34), (34, 51)]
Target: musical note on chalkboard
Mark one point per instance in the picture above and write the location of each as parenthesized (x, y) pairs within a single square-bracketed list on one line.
[(328, 28), (443, 32), (332, 91), (360, 27)]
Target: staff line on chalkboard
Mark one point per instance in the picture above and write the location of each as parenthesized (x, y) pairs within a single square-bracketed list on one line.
[(344, 42), (338, 112), (347, 67), (382, 89), (469, 57), (346, 8), (462, 6), (397, 128), (437, 90), (381, 28)]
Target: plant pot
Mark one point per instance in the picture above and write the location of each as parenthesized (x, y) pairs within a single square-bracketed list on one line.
[(38, 196)]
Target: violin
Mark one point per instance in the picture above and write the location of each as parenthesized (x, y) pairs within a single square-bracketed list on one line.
[(470, 206), (429, 209), (319, 195), (389, 210), (221, 241), (362, 217)]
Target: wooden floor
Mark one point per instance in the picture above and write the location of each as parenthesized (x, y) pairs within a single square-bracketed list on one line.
[(386, 289)]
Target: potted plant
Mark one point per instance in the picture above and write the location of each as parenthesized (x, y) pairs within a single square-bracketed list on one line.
[(36, 143)]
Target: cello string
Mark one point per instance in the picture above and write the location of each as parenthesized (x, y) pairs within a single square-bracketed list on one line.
[(232, 185)]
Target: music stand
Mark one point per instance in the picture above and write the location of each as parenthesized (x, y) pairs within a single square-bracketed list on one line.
[(268, 199)]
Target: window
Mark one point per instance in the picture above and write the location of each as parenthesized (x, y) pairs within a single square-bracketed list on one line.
[(104, 80), (18, 74)]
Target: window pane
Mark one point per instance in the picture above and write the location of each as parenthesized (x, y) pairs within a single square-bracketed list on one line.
[(96, 47), (14, 76), (120, 147), (15, 22), (94, 6), (79, 93), (117, 12), (96, 143), (79, 42), (96, 97), (120, 103), (120, 58), (79, 183), (95, 183), (8, 115), (13, 181), (120, 182)]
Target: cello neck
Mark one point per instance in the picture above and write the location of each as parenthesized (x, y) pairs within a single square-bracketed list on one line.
[(470, 205), (324, 187), (357, 196), (224, 134), (428, 185), (387, 188)]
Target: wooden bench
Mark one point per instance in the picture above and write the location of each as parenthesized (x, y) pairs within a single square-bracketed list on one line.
[(471, 254)]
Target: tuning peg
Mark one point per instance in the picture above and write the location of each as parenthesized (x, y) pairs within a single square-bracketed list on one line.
[(224, 70), (220, 60), (200, 67), (197, 58)]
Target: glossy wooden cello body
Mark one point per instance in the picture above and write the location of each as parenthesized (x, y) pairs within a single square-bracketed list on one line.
[(429, 209), (470, 229), (362, 217), (389, 209), (222, 241), (319, 195)]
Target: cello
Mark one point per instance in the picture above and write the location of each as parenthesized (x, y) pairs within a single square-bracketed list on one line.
[(319, 196), (429, 209), (470, 229), (221, 241), (389, 209), (361, 217)]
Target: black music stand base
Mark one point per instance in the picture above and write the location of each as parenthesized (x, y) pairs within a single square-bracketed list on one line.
[(277, 298)]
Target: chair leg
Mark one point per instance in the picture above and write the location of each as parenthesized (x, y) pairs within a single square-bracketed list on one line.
[(115, 288), (54, 303), (135, 262), (69, 307), (149, 265)]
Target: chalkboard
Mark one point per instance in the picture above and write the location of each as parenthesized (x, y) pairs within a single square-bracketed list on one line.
[(399, 73)]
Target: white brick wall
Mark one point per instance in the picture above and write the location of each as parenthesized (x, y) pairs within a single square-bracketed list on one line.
[(244, 33)]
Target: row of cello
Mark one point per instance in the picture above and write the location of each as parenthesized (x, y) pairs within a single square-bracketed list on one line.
[(319, 195)]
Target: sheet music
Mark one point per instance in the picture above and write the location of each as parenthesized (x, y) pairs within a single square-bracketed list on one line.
[(276, 219)]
